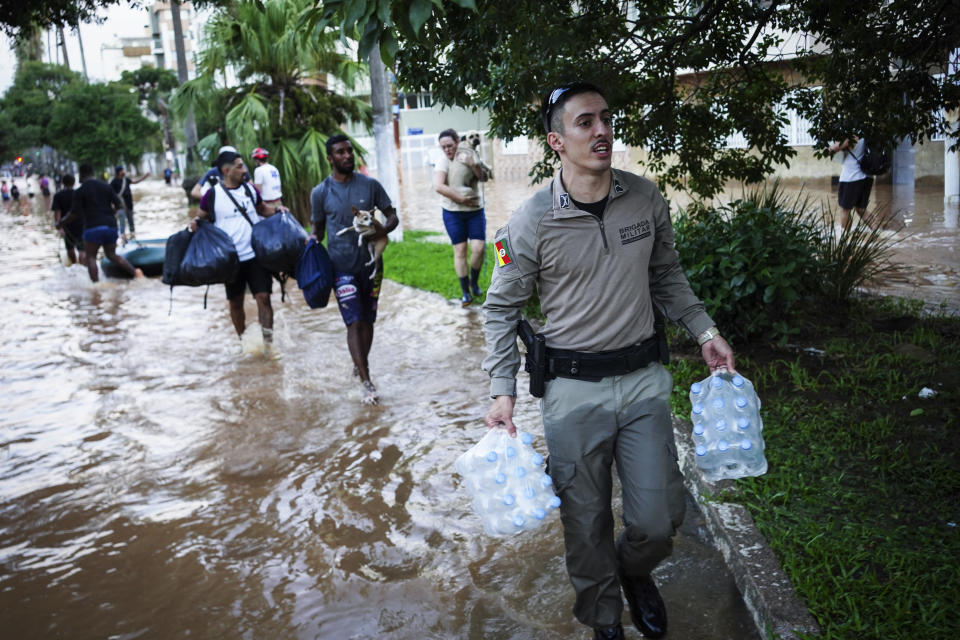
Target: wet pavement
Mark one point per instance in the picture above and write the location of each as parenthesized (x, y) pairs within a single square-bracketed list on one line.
[(160, 480)]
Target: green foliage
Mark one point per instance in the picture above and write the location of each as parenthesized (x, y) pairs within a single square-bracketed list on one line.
[(858, 504), (681, 77), (753, 262), (282, 102), (28, 104), (100, 124), (852, 258)]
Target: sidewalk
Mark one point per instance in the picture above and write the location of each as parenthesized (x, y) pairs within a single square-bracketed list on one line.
[(766, 590)]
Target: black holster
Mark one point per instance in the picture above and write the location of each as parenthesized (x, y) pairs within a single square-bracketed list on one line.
[(536, 360)]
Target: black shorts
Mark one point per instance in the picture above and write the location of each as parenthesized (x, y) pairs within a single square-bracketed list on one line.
[(854, 195), (253, 274)]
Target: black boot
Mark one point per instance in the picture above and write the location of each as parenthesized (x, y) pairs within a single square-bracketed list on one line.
[(609, 633), (647, 610)]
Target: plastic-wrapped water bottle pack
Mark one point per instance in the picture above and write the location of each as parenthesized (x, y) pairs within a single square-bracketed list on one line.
[(727, 429), (505, 477)]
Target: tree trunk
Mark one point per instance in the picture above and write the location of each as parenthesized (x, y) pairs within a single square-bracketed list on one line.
[(383, 134), (190, 126), (63, 45)]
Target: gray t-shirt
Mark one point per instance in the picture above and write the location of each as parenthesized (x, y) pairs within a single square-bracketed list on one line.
[(333, 201)]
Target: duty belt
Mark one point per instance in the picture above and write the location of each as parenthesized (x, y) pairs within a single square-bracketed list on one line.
[(594, 366)]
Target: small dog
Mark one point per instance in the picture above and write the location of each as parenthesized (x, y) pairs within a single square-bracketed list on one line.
[(363, 225)]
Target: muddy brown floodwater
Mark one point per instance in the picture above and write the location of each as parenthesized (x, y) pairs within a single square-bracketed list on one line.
[(158, 481)]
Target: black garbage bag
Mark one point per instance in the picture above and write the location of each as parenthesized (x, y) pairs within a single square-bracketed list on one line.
[(314, 274), (176, 248), (211, 257), (278, 242)]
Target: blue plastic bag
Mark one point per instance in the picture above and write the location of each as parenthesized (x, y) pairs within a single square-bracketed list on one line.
[(314, 274), (211, 257), (278, 242)]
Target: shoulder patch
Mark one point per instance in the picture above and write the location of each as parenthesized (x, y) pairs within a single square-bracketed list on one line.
[(501, 248)]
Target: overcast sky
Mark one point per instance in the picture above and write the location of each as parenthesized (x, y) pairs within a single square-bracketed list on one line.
[(122, 21)]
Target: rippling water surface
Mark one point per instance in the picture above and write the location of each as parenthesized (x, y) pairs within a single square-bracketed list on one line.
[(159, 482)]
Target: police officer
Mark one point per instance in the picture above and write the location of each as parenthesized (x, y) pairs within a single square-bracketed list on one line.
[(597, 244)]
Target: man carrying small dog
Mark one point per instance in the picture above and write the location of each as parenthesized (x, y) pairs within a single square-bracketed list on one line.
[(332, 203), (597, 245)]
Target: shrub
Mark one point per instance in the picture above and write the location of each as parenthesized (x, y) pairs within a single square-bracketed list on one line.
[(752, 261)]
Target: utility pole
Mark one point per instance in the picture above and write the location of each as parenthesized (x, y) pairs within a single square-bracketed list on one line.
[(190, 126), (383, 134), (83, 58)]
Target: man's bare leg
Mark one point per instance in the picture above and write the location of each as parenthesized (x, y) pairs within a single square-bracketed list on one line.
[(237, 314), (359, 341), (265, 315), (91, 249), (110, 250)]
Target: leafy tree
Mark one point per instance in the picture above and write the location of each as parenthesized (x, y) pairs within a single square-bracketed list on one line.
[(681, 75), (28, 104), (154, 87), (281, 100), (101, 124)]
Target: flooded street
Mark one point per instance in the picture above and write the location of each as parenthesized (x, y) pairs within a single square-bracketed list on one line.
[(158, 482)]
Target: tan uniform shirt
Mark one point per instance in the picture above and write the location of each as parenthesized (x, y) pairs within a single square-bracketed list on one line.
[(595, 277)]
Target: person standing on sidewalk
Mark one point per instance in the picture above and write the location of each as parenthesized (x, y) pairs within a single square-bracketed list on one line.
[(456, 177), (597, 244)]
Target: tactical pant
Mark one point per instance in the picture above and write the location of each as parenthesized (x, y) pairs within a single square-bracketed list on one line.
[(588, 426)]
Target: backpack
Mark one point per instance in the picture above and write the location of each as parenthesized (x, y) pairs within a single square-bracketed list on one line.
[(176, 248), (875, 160)]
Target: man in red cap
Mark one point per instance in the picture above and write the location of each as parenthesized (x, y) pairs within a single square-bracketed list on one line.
[(267, 178)]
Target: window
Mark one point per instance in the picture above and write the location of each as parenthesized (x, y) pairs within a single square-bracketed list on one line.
[(420, 100)]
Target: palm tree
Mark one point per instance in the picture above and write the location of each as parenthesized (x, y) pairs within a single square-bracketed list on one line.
[(280, 99)]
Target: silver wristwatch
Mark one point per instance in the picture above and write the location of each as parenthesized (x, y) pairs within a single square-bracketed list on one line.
[(708, 335)]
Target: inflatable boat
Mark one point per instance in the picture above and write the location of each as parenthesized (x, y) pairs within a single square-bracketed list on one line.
[(146, 255)]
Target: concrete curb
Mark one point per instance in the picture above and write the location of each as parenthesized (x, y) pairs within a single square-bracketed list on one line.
[(766, 590)]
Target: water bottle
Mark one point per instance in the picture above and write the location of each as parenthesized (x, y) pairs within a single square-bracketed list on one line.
[(727, 427), (504, 475)]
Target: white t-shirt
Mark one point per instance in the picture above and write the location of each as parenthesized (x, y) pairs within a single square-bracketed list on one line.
[(851, 163), (268, 179), (230, 220)]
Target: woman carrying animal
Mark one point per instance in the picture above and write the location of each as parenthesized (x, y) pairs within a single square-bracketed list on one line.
[(456, 177)]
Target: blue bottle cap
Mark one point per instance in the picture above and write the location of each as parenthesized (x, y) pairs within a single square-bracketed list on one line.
[(696, 388), (545, 480), (554, 502), (518, 520), (721, 425), (741, 402), (536, 459), (500, 478), (509, 500), (698, 429), (716, 382), (510, 452), (722, 445), (697, 408), (529, 493), (718, 403), (539, 513), (491, 456), (526, 438), (746, 445), (743, 423), (701, 450), (737, 381), (520, 472)]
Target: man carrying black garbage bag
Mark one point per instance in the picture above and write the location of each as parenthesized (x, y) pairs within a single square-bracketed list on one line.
[(597, 244), (235, 206)]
